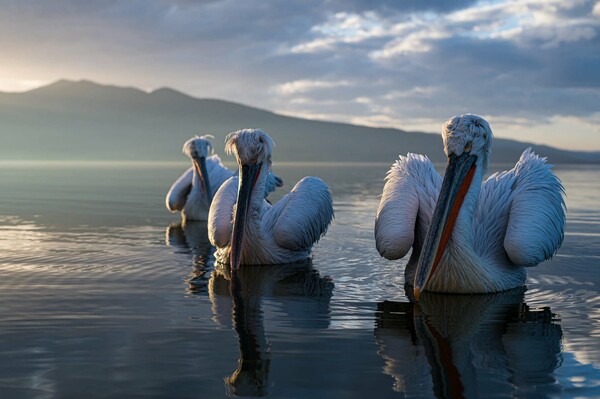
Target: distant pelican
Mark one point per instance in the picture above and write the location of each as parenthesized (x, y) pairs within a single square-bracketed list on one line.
[(469, 237), (192, 193), (262, 233)]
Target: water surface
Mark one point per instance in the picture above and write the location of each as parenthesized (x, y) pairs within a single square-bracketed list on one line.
[(103, 294)]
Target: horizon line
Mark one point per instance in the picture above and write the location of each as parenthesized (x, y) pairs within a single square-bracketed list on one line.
[(287, 114)]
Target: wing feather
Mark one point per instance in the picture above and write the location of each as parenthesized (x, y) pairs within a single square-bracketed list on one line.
[(411, 189), (537, 214), (217, 172), (220, 213), (178, 193), (491, 217), (273, 181), (304, 214)]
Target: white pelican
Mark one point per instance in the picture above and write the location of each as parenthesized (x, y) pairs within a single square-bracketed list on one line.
[(192, 192), (262, 233), (469, 237)]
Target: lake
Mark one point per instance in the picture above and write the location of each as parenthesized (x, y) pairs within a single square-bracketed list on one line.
[(104, 295)]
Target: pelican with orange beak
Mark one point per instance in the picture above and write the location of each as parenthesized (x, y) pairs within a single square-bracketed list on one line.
[(467, 236)]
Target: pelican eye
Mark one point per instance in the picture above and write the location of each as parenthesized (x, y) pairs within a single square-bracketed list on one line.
[(468, 146)]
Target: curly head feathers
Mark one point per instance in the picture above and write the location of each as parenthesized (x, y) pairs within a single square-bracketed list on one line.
[(198, 146), (250, 146)]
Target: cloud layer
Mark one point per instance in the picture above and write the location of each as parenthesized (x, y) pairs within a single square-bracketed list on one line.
[(528, 65)]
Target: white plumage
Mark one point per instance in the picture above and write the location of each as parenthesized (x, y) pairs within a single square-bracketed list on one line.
[(483, 235), (262, 233), (192, 192)]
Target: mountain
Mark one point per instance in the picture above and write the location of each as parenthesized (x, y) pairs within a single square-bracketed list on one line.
[(82, 120)]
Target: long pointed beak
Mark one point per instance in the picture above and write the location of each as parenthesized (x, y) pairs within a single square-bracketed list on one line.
[(200, 165), (248, 176), (457, 180)]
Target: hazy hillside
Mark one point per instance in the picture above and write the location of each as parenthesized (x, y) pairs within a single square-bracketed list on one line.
[(86, 121)]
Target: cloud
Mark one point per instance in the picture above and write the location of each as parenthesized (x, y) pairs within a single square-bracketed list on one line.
[(420, 41), (305, 85), (530, 59), (400, 63), (343, 28), (394, 6)]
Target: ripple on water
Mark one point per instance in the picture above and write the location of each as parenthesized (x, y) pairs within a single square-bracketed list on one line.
[(131, 303)]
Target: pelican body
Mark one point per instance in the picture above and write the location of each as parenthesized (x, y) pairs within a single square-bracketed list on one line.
[(193, 191), (467, 236), (246, 229)]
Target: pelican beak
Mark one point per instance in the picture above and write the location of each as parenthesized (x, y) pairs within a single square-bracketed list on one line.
[(248, 177), (457, 180), (200, 165)]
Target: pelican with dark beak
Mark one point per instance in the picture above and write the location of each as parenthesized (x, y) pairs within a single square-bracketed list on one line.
[(193, 192), (262, 233), (468, 236)]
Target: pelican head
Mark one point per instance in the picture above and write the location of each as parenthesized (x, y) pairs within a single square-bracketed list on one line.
[(198, 149), (250, 146), (468, 134), (467, 141), (252, 149)]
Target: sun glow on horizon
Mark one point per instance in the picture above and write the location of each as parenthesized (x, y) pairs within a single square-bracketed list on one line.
[(21, 85)]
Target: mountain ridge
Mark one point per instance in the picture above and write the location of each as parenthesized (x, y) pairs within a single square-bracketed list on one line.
[(84, 120)]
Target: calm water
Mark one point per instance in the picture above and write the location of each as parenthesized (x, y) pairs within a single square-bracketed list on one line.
[(103, 295)]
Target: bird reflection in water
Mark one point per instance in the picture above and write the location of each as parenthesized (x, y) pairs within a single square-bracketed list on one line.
[(192, 237), (302, 293), (454, 346)]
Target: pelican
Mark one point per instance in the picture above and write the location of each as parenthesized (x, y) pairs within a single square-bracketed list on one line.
[(262, 233), (469, 237), (193, 191)]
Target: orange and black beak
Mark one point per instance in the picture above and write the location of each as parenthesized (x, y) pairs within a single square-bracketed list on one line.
[(248, 177), (457, 180), (200, 165)]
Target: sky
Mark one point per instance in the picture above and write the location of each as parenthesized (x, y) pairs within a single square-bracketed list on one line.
[(531, 67)]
